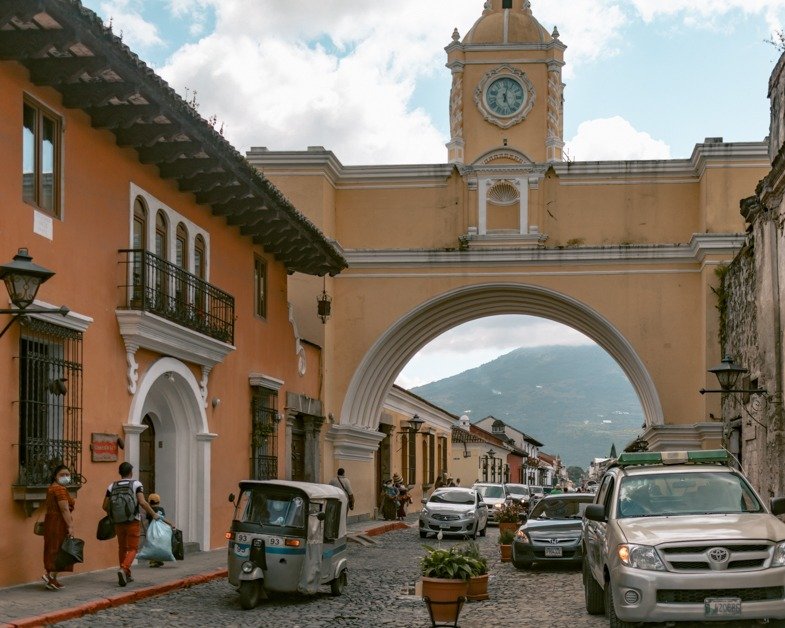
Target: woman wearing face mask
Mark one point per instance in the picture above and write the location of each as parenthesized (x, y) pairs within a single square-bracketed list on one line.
[(58, 523)]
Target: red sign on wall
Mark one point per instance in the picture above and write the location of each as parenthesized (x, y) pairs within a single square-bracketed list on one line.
[(104, 447)]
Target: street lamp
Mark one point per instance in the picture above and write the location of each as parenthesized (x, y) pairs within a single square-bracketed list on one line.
[(413, 425), (22, 279), (728, 374)]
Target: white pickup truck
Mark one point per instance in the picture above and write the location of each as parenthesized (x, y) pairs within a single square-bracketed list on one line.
[(682, 536)]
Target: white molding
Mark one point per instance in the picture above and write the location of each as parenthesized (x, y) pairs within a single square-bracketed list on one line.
[(72, 320), (505, 252), (353, 443), (681, 437), (143, 330), (402, 401), (265, 381)]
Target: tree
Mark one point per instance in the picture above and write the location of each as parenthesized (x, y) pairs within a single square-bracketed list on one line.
[(575, 474)]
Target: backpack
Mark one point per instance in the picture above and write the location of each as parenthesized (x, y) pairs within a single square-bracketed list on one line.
[(122, 502)]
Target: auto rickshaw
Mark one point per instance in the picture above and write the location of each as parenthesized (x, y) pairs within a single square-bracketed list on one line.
[(286, 537)]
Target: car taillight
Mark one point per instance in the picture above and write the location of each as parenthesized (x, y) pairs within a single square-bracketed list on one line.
[(229, 536), (292, 542)]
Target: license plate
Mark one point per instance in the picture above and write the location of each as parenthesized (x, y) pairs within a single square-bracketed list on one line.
[(553, 552), (444, 526), (722, 607)]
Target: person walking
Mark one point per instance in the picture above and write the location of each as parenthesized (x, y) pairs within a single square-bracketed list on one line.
[(123, 502), (58, 524), (341, 481)]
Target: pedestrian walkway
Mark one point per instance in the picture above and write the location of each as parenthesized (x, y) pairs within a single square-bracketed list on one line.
[(33, 605)]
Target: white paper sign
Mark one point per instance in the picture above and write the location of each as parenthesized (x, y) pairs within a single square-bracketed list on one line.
[(43, 225)]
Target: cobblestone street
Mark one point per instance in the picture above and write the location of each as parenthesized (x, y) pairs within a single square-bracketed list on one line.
[(378, 594)]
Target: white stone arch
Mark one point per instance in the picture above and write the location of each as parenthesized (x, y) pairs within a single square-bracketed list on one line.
[(392, 351), (170, 393)]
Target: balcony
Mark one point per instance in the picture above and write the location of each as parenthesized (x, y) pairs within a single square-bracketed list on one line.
[(168, 310)]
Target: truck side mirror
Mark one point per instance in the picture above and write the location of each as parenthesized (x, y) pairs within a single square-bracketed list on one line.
[(595, 512), (320, 516), (423, 501), (777, 505)]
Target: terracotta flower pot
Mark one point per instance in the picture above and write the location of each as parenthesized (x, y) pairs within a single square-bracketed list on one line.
[(506, 552), (478, 588), (444, 594), (511, 526)]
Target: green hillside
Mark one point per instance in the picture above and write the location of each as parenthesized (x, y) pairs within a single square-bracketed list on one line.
[(575, 400)]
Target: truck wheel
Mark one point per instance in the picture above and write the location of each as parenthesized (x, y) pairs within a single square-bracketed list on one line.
[(484, 530), (592, 592), (520, 563), (250, 592), (423, 535), (338, 584), (613, 621)]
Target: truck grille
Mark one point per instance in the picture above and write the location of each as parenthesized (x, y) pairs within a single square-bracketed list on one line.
[(697, 596), (720, 556)]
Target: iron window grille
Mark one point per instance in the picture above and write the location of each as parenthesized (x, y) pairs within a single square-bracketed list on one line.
[(50, 401), (431, 459), (160, 287), (264, 434), (411, 460)]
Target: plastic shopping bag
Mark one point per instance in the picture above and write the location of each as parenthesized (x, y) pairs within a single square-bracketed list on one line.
[(158, 542)]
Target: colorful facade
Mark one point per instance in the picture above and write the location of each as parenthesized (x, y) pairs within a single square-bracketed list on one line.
[(180, 353)]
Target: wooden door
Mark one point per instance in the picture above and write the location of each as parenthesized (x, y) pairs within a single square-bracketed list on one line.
[(146, 469), (298, 451)]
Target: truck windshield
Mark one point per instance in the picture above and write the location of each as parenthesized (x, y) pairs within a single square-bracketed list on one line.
[(272, 510), (490, 491), (688, 493)]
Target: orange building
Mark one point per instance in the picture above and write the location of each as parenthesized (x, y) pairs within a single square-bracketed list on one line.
[(180, 353)]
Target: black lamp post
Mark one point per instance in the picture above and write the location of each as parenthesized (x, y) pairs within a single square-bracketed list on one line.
[(22, 279)]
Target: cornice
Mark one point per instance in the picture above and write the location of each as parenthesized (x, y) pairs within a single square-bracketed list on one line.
[(700, 247)]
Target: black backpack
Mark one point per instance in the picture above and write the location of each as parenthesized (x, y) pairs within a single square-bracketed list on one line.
[(122, 502)]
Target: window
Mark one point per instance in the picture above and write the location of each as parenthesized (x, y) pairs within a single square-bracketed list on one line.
[(181, 261), (140, 224), (410, 466), (506, 4), (443, 450), (41, 135), (199, 271), (260, 287), (161, 235), (264, 433), (50, 401)]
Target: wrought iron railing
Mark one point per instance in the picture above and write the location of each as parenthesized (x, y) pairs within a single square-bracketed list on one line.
[(159, 287), (50, 401)]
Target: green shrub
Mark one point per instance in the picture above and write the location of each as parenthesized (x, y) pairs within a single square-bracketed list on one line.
[(448, 564), (506, 537)]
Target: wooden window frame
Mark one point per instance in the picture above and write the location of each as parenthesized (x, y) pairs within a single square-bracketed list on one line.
[(260, 287), (42, 112)]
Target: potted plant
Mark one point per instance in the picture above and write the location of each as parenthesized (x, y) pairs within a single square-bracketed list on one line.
[(478, 583), (506, 537), (445, 582), (509, 516)]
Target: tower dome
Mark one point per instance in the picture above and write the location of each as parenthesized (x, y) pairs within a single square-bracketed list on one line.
[(507, 22)]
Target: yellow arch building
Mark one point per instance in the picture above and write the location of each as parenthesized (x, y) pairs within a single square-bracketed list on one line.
[(624, 251)]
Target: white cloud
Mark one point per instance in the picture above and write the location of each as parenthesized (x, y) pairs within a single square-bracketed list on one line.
[(126, 18), (614, 139)]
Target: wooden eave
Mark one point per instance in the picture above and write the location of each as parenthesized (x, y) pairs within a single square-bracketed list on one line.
[(67, 47)]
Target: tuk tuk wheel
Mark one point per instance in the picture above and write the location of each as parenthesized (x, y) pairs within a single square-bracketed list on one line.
[(250, 593), (338, 584)]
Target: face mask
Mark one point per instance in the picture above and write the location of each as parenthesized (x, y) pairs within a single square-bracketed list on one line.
[(65, 480)]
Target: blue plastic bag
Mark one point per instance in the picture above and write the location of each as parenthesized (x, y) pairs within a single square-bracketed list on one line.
[(158, 542)]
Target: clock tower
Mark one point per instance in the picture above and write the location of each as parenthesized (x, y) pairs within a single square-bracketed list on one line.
[(506, 87)]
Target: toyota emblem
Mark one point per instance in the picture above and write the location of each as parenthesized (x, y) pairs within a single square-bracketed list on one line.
[(718, 554)]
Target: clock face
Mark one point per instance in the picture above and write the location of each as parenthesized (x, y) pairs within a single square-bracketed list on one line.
[(505, 96)]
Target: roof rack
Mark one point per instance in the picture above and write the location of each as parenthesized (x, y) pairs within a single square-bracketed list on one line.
[(702, 456)]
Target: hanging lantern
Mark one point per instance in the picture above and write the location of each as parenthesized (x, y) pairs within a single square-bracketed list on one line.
[(323, 305)]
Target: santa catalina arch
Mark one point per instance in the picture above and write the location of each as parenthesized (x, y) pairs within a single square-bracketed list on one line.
[(624, 251)]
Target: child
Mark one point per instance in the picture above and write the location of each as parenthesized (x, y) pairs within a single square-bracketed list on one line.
[(154, 499)]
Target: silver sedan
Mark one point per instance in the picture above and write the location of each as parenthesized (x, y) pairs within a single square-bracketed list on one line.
[(455, 511)]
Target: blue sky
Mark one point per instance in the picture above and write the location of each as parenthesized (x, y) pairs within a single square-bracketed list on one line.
[(366, 79)]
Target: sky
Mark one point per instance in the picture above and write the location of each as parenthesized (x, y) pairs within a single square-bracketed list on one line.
[(645, 79)]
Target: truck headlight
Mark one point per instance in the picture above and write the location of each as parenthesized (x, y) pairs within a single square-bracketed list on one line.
[(469, 513), (522, 537), (779, 555), (640, 557), (248, 566)]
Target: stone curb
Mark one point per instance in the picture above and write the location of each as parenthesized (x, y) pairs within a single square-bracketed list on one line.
[(100, 604), (117, 600)]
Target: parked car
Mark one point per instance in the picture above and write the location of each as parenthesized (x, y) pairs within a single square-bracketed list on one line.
[(552, 534), (536, 493), (518, 492), (493, 495), (682, 536), (454, 511)]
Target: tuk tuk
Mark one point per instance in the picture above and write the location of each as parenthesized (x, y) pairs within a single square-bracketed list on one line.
[(286, 537)]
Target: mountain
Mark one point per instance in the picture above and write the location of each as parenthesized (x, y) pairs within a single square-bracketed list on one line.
[(575, 400)]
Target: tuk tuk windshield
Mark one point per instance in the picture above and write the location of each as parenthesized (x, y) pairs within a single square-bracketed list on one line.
[(255, 506)]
